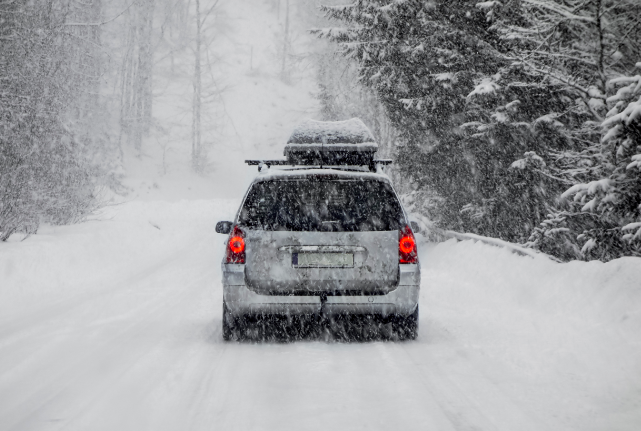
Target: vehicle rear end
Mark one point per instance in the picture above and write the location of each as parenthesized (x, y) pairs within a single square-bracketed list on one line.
[(321, 242)]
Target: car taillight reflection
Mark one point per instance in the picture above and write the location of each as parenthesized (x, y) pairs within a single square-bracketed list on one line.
[(235, 246), (407, 246)]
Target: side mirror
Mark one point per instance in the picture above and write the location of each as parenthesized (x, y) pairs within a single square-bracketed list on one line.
[(224, 227), (415, 226)]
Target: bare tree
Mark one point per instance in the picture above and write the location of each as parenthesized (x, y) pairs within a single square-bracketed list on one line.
[(197, 104), (136, 75), (283, 70), (197, 151)]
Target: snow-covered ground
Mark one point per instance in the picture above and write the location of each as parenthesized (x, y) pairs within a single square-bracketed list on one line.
[(115, 324)]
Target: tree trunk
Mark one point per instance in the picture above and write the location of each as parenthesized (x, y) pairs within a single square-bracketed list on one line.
[(197, 102), (285, 40)]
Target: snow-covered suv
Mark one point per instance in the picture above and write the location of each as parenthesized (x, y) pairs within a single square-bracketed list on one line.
[(321, 242)]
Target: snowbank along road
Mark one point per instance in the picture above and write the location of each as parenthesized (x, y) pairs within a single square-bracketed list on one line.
[(116, 325)]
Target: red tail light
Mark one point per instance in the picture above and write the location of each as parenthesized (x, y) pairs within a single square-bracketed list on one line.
[(236, 246), (407, 246)]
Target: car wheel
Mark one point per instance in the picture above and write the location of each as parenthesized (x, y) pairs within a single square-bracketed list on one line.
[(406, 327), (230, 325)]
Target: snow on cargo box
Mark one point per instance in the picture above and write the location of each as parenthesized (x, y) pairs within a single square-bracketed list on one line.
[(347, 142)]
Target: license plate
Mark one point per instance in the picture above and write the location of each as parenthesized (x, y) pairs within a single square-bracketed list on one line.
[(323, 260)]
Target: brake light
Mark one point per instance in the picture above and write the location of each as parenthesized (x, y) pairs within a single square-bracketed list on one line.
[(235, 246), (407, 246)]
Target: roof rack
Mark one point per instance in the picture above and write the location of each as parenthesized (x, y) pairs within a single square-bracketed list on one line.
[(371, 165), (337, 144)]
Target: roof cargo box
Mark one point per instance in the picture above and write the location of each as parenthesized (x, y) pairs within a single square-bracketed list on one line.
[(347, 142)]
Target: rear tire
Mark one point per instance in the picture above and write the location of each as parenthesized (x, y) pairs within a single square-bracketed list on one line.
[(230, 325), (406, 327)]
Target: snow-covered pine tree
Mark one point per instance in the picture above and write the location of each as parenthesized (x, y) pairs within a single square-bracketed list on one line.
[(583, 50), (612, 203), (464, 113), (501, 106)]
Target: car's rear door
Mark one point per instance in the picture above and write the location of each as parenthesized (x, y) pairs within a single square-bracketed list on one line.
[(321, 234)]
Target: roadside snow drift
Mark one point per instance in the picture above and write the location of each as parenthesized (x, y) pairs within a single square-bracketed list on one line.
[(569, 331)]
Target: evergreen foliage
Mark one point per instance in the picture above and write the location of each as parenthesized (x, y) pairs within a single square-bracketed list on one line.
[(501, 107), (589, 49), (603, 220), (440, 72)]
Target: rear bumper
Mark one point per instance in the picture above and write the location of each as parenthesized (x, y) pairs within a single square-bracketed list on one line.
[(242, 301)]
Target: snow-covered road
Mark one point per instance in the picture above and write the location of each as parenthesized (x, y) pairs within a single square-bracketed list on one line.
[(115, 325)]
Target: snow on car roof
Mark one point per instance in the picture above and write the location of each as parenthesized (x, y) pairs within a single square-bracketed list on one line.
[(296, 173), (352, 131)]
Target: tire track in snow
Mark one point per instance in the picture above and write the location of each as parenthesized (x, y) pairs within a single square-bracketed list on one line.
[(68, 376), (10, 331), (467, 394)]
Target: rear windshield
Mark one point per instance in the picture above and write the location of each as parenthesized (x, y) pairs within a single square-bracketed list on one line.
[(322, 205)]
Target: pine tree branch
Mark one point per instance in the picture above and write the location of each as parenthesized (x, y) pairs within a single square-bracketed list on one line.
[(558, 9), (585, 95), (565, 56)]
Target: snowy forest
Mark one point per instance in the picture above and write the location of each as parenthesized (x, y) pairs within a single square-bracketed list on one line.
[(514, 119), (174, 256), (518, 119), (76, 90)]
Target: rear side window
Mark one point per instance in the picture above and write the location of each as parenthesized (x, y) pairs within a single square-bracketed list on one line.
[(318, 205)]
